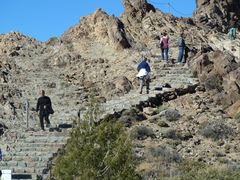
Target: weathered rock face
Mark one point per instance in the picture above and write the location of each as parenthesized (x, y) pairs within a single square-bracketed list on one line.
[(137, 8), (101, 28), (220, 72), (215, 14)]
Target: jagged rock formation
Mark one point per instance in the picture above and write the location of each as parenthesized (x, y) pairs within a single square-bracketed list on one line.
[(100, 54), (137, 8), (103, 28), (216, 14)]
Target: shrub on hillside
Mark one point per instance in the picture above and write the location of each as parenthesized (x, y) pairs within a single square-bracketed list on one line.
[(194, 170), (142, 132), (215, 130), (130, 116), (172, 114), (99, 152), (166, 154)]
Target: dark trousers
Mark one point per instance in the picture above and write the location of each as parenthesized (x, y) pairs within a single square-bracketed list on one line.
[(42, 116), (180, 54), (145, 80)]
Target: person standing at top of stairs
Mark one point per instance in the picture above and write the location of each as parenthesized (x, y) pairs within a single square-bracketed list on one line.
[(232, 34), (181, 48), (164, 43)]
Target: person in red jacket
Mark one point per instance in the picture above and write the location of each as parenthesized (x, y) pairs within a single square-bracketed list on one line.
[(164, 42)]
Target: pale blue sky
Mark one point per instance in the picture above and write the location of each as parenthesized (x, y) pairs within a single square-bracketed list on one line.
[(43, 19)]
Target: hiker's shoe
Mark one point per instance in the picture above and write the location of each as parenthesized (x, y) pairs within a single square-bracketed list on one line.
[(140, 92), (48, 125)]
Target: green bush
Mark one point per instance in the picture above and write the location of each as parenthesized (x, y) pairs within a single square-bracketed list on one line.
[(99, 152)]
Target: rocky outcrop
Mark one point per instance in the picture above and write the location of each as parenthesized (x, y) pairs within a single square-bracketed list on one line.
[(220, 72), (216, 14), (137, 8), (99, 27)]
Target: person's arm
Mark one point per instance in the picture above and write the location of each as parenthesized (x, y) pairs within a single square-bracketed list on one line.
[(139, 67), (161, 42), (38, 104), (50, 103), (148, 68)]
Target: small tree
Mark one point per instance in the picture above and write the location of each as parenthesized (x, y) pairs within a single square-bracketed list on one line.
[(93, 109), (103, 152)]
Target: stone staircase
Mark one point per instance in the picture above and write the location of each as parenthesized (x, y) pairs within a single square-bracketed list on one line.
[(31, 151), (30, 154), (179, 77)]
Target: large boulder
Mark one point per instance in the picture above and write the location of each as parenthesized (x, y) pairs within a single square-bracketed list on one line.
[(117, 87)]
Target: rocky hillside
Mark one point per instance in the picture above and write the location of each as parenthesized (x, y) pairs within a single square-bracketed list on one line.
[(215, 15), (101, 53)]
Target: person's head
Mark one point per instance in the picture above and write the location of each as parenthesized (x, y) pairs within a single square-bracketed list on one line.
[(143, 54), (43, 93), (164, 33), (181, 34)]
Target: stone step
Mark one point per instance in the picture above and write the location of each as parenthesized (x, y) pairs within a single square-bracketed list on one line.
[(27, 164), (169, 66), (35, 149), (28, 157), (168, 70), (45, 139), (19, 169), (36, 145)]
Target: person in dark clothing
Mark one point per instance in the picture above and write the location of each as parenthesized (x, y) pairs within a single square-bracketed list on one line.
[(44, 106), (0, 154), (186, 52), (143, 74), (181, 47)]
